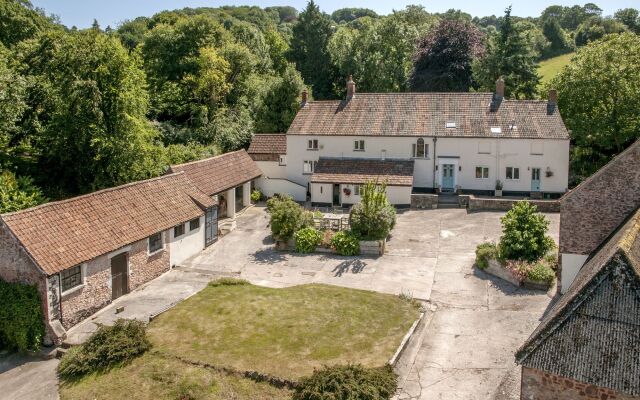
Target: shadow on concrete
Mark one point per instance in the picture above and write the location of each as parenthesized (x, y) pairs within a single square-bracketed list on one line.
[(356, 266), (505, 287), (268, 256)]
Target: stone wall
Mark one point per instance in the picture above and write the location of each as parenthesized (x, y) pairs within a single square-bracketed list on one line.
[(539, 385), (504, 204), (95, 294), (424, 200), (17, 267)]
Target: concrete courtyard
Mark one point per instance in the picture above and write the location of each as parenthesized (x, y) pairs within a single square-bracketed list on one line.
[(464, 350)]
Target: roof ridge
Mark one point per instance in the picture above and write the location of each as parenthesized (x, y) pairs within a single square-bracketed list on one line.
[(91, 194), (206, 159)]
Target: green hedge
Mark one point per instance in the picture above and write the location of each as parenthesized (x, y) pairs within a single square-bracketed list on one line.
[(21, 318), (348, 382)]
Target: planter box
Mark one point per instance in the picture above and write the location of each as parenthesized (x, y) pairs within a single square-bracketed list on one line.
[(372, 247), (533, 285), (498, 193), (496, 269)]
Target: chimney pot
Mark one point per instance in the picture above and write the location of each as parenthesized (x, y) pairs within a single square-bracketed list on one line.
[(351, 88), (553, 96), (500, 88), (305, 96)]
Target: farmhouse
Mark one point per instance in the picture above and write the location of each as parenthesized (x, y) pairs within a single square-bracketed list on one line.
[(588, 345), (86, 251), (464, 142), (593, 209), (227, 178)]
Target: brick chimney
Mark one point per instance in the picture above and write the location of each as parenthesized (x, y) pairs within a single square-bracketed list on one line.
[(553, 101), (351, 88), (500, 88), (305, 96)]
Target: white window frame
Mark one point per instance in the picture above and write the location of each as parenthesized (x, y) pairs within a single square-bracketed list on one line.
[(149, 252), (513, 173), (312, 144), (416, 146), (282, 160), (483, 169), (312, 167), (358, 145), (357, 190)]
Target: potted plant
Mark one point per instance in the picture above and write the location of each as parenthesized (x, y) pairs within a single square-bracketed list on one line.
[(498, 192)]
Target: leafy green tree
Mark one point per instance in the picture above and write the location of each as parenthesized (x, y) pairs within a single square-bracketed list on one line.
[(524, 233), (374, 217), (285, 13), (510, 56), (311, 36), (443, 58), (230, 129), (287, 217), (132, 33), (19, 21), (278, 48), (12, 105), (210, 85), (595, 28), (349, 14), (280, 103), (599, 100), (559, 42), (18, 193), (630, 17)]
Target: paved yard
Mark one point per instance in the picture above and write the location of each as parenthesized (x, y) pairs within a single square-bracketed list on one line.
[(28, 378), (475, 324)]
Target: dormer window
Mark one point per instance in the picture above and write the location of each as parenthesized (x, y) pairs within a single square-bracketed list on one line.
[(496, 130), (451, 125)]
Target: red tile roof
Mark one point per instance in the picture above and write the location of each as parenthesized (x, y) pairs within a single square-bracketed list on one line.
[(426, 114), (268, 143), (62, 234), (362, 170), (217, 174)]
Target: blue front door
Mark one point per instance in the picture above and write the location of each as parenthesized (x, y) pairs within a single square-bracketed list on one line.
[(447, 176), (535, 179)]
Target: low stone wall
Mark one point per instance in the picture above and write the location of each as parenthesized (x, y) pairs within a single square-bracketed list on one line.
[(372, 247), (540, 385), (424, 200), (505, 204)]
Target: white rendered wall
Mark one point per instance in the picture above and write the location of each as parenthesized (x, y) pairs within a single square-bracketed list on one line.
[(272, 169), (185, 246), (397, 195), (571, 264), (246, 194), (471, 152), (269, 187)]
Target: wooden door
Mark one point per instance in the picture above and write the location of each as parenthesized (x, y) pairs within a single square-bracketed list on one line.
[(119, 276)]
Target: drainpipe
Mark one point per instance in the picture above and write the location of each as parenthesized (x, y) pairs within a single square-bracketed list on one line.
[(435, 140)]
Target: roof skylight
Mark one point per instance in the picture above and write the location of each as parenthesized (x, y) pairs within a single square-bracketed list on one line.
[(451, 124), (496, 129)]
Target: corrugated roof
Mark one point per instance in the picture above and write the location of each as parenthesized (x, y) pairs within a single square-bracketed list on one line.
[(362, 170), (217, 174), (62, 234), (592, 334), (420, 114)]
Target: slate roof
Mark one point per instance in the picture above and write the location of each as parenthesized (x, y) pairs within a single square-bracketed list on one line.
[(426, 114), (593, 209), (268, 146), (592, 334), (217, 174), (62, 234), (362, 170)]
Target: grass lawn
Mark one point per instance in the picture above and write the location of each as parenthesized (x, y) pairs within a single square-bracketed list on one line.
[(153, 377), (550, 68), (284, 332)]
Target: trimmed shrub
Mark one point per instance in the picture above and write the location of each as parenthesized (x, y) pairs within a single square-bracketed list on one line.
[(541, 272), (287, 217), (307, 239), (346, 243), (373, 218), (524, 233), (484, 253), (21, 326), (108, 347), (348, 382), (256, 195)]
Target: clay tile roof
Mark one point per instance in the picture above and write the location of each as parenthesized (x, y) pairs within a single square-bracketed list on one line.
[(362, 170), (418, 114), (592, 334), (217, 174), (268, 143), (62, 234), (593, 209)]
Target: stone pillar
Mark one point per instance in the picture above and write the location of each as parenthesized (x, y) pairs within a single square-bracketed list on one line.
[(246, 194), (231, 203)]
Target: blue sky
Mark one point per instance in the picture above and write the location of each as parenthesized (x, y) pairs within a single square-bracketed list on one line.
[(82, 12)]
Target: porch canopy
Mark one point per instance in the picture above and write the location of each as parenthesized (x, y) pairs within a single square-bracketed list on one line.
[(393, 172)]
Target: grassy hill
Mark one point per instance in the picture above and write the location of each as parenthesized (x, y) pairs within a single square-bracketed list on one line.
[(549, 68)]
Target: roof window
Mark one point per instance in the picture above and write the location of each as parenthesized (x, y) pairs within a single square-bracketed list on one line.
[(496, 129), (451, 124)]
